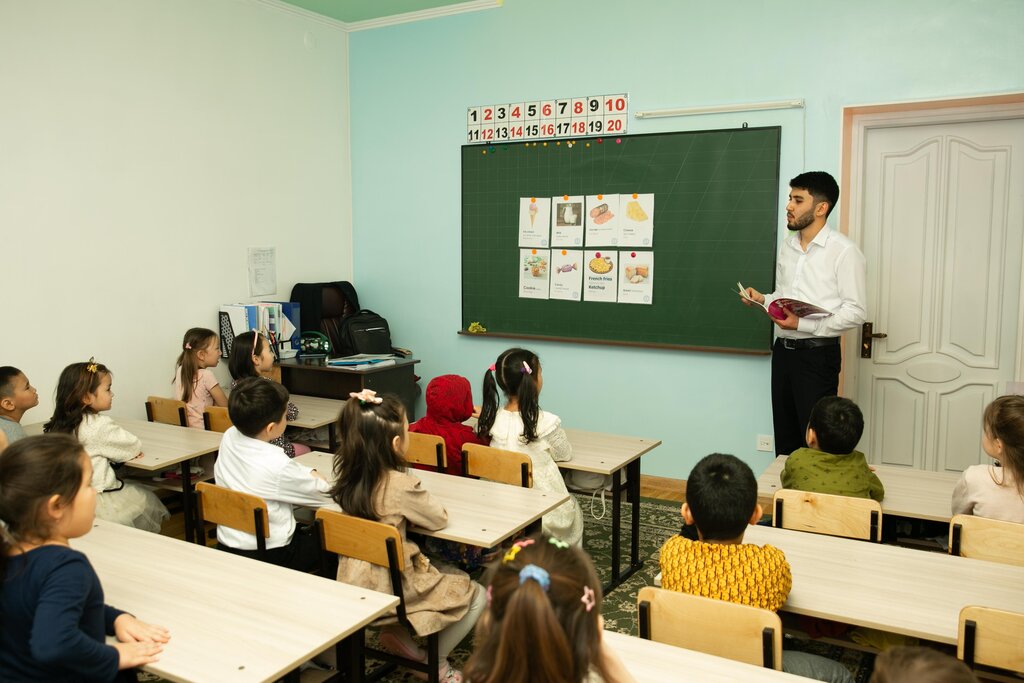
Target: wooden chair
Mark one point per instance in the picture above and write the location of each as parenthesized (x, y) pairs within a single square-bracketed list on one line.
[(216, 419), (495, 464), (824, 513), (716, 627), (427, 449), (167, 411), (991, 637), (379, 544), (234, 509), (987, 539)]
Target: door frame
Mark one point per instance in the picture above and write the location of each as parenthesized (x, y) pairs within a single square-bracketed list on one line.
[(857, 121)]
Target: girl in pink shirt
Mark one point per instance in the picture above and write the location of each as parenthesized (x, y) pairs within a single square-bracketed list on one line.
[(194, 382)]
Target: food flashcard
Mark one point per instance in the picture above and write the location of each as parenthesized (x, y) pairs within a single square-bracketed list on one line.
[(567, 221), (599, 275), (533, 273), (567, 267), (636, 277), (534, 213), (602, 220), (637, 223)]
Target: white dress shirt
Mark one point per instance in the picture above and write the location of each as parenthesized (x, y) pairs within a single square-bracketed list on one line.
[(262, 469), (830, 274)]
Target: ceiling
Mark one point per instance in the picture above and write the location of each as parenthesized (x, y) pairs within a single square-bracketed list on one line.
[(355, 11)]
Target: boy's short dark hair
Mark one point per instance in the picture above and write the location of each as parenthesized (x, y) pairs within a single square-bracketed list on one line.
[(838, 424), (721, 493), (7, 375), (820, 185), (255, 402)]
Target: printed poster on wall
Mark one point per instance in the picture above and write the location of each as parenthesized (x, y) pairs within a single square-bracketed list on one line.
[(636, 224), (533, 273), (566, 274), (599, 276), (533, 221), (636, 277), (567, 221), (602, 220)]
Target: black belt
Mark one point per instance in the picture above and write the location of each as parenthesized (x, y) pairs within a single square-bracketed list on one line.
[(809, 343)]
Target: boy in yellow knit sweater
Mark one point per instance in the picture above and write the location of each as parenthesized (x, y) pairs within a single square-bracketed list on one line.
[(721, 500)]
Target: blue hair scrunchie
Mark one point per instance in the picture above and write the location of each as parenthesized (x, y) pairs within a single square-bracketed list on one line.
[(538, 574)]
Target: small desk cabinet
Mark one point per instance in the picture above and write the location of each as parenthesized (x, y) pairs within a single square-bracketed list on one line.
[(314, 377)]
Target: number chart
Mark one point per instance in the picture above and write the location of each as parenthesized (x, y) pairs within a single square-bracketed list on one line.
[(574, 117)]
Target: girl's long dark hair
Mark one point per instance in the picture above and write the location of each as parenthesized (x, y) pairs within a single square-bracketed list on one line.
[(195, 339), (76, 381), (512, 376), (31, 471), (366, 455), (245, 346), (1004, 420), (533, 635)]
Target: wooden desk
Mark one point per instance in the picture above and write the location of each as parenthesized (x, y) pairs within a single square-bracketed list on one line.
[(163, 447), (894, 589), (480, 513), (316, 412), (908, 492), (231, 618), (657, 662), (609, 454), (313, 377)]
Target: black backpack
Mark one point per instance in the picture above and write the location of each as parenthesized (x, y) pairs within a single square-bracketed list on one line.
[(364, 332)]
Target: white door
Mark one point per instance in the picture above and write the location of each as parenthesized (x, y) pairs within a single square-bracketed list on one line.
[(939, 211)]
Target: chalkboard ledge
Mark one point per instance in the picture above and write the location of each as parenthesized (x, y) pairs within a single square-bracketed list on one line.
[(607, 342)]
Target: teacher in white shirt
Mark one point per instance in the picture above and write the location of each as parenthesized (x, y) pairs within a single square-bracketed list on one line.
[(822, 267)]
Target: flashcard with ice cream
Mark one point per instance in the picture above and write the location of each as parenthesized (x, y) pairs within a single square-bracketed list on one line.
[(602, 220), (636, 277), (567, 221), (566, 274), (534, 214), (637, 223)]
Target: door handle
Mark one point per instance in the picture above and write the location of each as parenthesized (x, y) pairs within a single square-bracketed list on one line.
[(867, 337)]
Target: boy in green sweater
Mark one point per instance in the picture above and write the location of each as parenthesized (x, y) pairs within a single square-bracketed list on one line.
[(830, 464)]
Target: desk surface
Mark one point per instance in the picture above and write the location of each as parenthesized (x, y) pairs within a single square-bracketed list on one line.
[(480, 513), (908, 492), (162, 445), (895, 589), (653, 662), (321, 364), (230, 618), (315, 411)]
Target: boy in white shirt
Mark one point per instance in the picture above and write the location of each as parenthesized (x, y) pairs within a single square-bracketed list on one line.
[(249, 463)]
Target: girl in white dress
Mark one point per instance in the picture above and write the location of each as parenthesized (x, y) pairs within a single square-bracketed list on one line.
[(996, 490), (523, 427), (83, 392)]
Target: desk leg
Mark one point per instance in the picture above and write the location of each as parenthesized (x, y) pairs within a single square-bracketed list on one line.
[(351, 662), (188, 502), (616, 529), (633, 487), (633, 477), (332, 437)]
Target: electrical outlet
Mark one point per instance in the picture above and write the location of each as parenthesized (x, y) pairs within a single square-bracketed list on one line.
[(764, 442)]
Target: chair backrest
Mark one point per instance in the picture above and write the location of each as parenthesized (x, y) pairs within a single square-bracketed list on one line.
[(508, 467), (991, 637), (987, 539), (242, 511), (725, 629), (824, 513), (362, 539), (427, 449), (166, 410), (216, 419)]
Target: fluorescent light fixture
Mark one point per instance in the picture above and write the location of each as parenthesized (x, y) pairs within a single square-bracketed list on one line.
[(720, 109)]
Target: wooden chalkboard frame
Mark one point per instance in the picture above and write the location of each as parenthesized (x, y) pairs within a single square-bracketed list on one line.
[(716, 205)]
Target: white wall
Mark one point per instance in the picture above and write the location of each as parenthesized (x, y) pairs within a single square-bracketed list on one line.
[(144, 145), (411, 85)]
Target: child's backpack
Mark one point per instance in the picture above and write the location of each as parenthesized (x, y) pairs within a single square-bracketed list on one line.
[(364, 332)]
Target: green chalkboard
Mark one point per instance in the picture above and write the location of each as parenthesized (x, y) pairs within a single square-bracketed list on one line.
[(715, 222)]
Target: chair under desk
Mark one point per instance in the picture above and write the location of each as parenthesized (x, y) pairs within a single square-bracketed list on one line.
[(900, 590), (230, 618), (480, 513), (918, 494)]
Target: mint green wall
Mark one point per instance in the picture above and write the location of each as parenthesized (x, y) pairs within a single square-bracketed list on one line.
[(411, 84)]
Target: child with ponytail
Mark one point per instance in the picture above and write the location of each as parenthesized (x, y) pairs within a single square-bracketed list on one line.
[(194, 382), (543, 621), (523, 427)]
